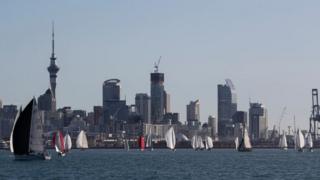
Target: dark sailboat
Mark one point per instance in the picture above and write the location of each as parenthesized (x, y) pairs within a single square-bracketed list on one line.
[(26, 140)]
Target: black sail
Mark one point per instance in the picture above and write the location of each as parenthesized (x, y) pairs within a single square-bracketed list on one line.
[(21, 131)]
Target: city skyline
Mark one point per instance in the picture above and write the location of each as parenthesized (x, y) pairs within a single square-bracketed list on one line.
[(192, 71)]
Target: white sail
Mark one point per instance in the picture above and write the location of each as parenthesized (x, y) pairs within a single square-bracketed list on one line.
[(11, 135), (236, 142), (209, 142), (194, 142), (283, 141), (149, 139), (170, 138), (246, 140), (200, 144), (36, 141), (67, 142), (309, 141), (126, 144), (300, 140), (59, 146), (82, 142)]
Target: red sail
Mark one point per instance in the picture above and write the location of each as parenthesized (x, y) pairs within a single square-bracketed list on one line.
[(53, 140), (141, 143), (61, 142)]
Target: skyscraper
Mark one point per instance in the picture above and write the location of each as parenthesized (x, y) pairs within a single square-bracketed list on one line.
[(258, 121), (45, 101), (157, 96), (53, 70), (227, 106), (115, 111), (193, 114), (143, 107)]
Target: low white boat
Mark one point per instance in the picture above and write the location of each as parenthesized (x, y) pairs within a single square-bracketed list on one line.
[(82, 142), (67, 143), (283, 142), (309, 144), (300, 141), (170, 139)]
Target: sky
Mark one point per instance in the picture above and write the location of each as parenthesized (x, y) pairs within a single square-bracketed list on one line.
[(268, 48)]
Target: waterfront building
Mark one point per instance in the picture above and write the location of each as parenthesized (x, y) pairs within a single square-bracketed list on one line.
[(167, 103), (98, 114), (171, 118), (7, 116), (53, 70), (213, 124), (115, 111), (46, 101), (193, 115), (227, 106), (258, 121), (143, 107)]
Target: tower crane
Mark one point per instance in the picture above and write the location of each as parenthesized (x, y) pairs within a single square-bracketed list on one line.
[(156, 65)]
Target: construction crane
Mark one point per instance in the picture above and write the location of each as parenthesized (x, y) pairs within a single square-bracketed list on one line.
[(156, 65), (283, 113)]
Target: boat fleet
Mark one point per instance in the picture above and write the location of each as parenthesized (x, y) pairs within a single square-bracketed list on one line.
[(301, 142), (27, 139)]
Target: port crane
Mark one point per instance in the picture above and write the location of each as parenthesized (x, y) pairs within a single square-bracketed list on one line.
[(315, 114)]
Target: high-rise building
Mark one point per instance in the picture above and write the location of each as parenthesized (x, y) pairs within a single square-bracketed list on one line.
[(193, 114), (227, 106), (143, 107), (258, 121), (53, 70), (97, 115), (115, 111), (212, 122), (167, 104), (157, 97), (0, 104), (7, 117), (45, 101)]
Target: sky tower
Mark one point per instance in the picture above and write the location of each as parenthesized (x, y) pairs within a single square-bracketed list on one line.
[(53, 70)]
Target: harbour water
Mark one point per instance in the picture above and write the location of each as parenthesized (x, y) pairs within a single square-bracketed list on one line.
[(165, 164)]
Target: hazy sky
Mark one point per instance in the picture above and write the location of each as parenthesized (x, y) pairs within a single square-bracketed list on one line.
[(269, 48)]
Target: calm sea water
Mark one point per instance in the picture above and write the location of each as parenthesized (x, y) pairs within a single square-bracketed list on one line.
[(165, 164)]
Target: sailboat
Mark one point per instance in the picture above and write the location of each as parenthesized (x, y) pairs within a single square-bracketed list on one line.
[(58, 142), (141, 143), (82, 142), (26, 139), (300, 142), (236, 142), (149, 141), (245, 145), (67, 143), (283, 142), (170, 137), (309, 144), (126, 144), (209, 143), (194, 143)]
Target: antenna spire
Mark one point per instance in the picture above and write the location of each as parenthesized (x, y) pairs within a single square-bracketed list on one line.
[(52, 38)]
